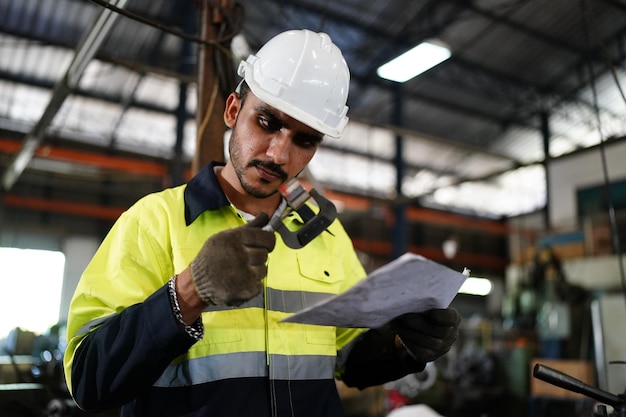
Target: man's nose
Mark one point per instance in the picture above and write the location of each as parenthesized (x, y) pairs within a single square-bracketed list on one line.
[(279, 148)]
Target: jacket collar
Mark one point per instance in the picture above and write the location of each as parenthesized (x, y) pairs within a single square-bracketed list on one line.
[(203, 192)]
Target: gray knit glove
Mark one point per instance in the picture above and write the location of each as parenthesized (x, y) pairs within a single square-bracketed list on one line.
[(229, 267)]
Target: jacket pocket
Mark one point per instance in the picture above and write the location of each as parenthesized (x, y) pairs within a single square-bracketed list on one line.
[(319, 276)]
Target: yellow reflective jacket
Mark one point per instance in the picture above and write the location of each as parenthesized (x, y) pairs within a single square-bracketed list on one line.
[(126, 350)]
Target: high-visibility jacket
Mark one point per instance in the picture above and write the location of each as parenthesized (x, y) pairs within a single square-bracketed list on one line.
[(125, 348)]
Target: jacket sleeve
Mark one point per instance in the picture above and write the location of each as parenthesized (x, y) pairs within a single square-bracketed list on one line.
[(126, 353), (121, 329), (373, 359)]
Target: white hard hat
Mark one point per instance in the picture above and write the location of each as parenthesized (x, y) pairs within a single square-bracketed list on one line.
[(304, 75)]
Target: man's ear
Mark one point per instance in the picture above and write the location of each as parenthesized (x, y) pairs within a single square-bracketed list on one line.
[(233, 104)]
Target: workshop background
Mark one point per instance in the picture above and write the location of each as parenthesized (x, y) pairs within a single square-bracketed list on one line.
[(506, 159)]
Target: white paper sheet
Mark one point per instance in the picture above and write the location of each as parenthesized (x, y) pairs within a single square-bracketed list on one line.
[(411, 283)]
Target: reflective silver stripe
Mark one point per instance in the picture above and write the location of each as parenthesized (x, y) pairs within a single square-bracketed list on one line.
[(246, 364), (86, 328), (278, 300), (301, 367), (293, 301), (254, 302)]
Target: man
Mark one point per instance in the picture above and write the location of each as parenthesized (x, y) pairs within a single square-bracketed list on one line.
[(179, 312)]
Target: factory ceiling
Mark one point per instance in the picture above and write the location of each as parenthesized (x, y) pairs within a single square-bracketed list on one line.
[(96, 95)]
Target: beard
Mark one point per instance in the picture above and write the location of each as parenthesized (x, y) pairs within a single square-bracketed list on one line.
[(235, 151)]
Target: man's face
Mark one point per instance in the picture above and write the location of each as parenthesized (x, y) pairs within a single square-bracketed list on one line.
[(266, 147)]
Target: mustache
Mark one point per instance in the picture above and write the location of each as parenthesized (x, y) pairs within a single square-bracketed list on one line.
[(269, 166)]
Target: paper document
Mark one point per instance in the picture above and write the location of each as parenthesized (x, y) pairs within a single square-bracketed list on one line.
[(409, 284)]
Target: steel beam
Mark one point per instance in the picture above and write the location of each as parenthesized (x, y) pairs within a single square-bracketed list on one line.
[(85, 51)]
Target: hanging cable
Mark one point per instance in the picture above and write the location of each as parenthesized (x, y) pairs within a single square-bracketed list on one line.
[(218, 43)]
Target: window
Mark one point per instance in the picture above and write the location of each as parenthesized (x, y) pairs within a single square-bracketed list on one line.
[(31, 283)]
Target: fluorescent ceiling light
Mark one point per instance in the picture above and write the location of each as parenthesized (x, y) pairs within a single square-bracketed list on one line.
[(476, 286), (414, 61)]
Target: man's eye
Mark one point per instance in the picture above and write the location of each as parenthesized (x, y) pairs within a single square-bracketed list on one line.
[(305, 142), (263, 122), (268, 124)]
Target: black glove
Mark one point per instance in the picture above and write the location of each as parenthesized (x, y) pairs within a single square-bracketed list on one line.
[(428, 335), (231, 264)]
